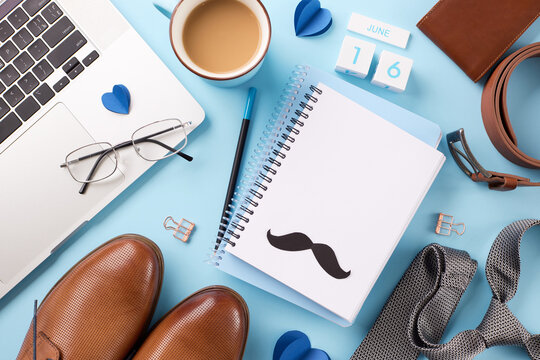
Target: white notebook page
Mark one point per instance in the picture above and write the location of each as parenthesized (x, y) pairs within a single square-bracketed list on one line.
[(351, 181)]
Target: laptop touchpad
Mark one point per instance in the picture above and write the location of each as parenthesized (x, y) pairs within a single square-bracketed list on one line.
[(40, 203)]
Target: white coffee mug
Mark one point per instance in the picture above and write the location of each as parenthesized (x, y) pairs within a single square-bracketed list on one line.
[(178, 12)]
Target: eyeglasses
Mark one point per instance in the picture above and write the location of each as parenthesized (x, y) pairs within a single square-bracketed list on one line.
[(153, 142)]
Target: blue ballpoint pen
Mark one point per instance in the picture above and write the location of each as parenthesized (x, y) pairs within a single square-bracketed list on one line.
[(236, 166)]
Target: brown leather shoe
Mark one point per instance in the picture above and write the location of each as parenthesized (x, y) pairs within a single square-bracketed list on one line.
[(211, 324), (100, 308)]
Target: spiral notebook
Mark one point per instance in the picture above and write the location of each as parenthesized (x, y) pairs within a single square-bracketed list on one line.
[(326, 198)]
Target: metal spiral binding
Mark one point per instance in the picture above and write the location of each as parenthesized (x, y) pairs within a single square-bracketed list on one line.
[(278, 138)]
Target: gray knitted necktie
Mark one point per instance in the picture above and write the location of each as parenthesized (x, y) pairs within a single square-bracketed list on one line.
[(415, 316)]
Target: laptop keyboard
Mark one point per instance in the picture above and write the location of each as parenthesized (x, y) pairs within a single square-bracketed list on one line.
[(37, 41)]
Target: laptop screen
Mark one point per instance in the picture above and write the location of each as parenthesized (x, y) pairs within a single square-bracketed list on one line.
[(7, 5)]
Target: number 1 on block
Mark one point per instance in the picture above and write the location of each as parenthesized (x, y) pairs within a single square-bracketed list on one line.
[(355, 57)]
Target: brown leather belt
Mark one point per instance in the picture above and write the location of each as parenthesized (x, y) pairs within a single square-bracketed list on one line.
[(497, 121)]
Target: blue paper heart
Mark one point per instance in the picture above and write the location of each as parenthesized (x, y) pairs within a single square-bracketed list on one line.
[(295, 345), (310, 19), (118, 101), (316, 354), (285, 340), (291, 346)]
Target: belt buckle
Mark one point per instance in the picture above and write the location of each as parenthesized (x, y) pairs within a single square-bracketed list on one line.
[(459, 137)]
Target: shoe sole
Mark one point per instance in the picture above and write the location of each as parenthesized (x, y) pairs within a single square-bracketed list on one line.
[(142, 239)]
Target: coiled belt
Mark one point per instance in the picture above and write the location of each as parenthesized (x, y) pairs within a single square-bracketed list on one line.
[(495, 111)]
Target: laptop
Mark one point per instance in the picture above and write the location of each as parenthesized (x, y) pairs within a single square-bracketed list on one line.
[(57, 59)]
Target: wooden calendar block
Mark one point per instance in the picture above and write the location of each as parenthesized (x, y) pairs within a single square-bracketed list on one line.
[(355, 57), (393, 71)]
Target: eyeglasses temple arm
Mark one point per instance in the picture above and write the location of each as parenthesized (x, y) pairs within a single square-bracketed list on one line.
[(165, 146), (84, 186)]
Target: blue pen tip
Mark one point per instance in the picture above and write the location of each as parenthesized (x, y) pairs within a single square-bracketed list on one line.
[(252, 92), (249, 103)]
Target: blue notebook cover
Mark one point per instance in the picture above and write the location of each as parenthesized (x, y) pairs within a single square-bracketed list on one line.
[(421, 128)]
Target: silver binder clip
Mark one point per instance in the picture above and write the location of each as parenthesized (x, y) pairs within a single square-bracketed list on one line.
[(182, 230), (446, 225)]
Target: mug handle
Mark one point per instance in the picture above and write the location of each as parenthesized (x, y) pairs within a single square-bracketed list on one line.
[(166, 7)]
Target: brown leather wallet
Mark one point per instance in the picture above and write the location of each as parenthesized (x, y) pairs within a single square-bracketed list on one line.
[(476, 33)]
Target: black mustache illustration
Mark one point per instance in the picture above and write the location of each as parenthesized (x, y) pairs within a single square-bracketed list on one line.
[(326, 257)]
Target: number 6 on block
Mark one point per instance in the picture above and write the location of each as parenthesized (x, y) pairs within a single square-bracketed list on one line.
[(355, 57), (392, 72)]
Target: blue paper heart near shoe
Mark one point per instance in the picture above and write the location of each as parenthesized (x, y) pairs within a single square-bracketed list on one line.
[(310, 19), (117, 101), (295, 345)]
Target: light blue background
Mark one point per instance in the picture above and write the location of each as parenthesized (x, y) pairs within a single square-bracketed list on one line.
[(437, 90)]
